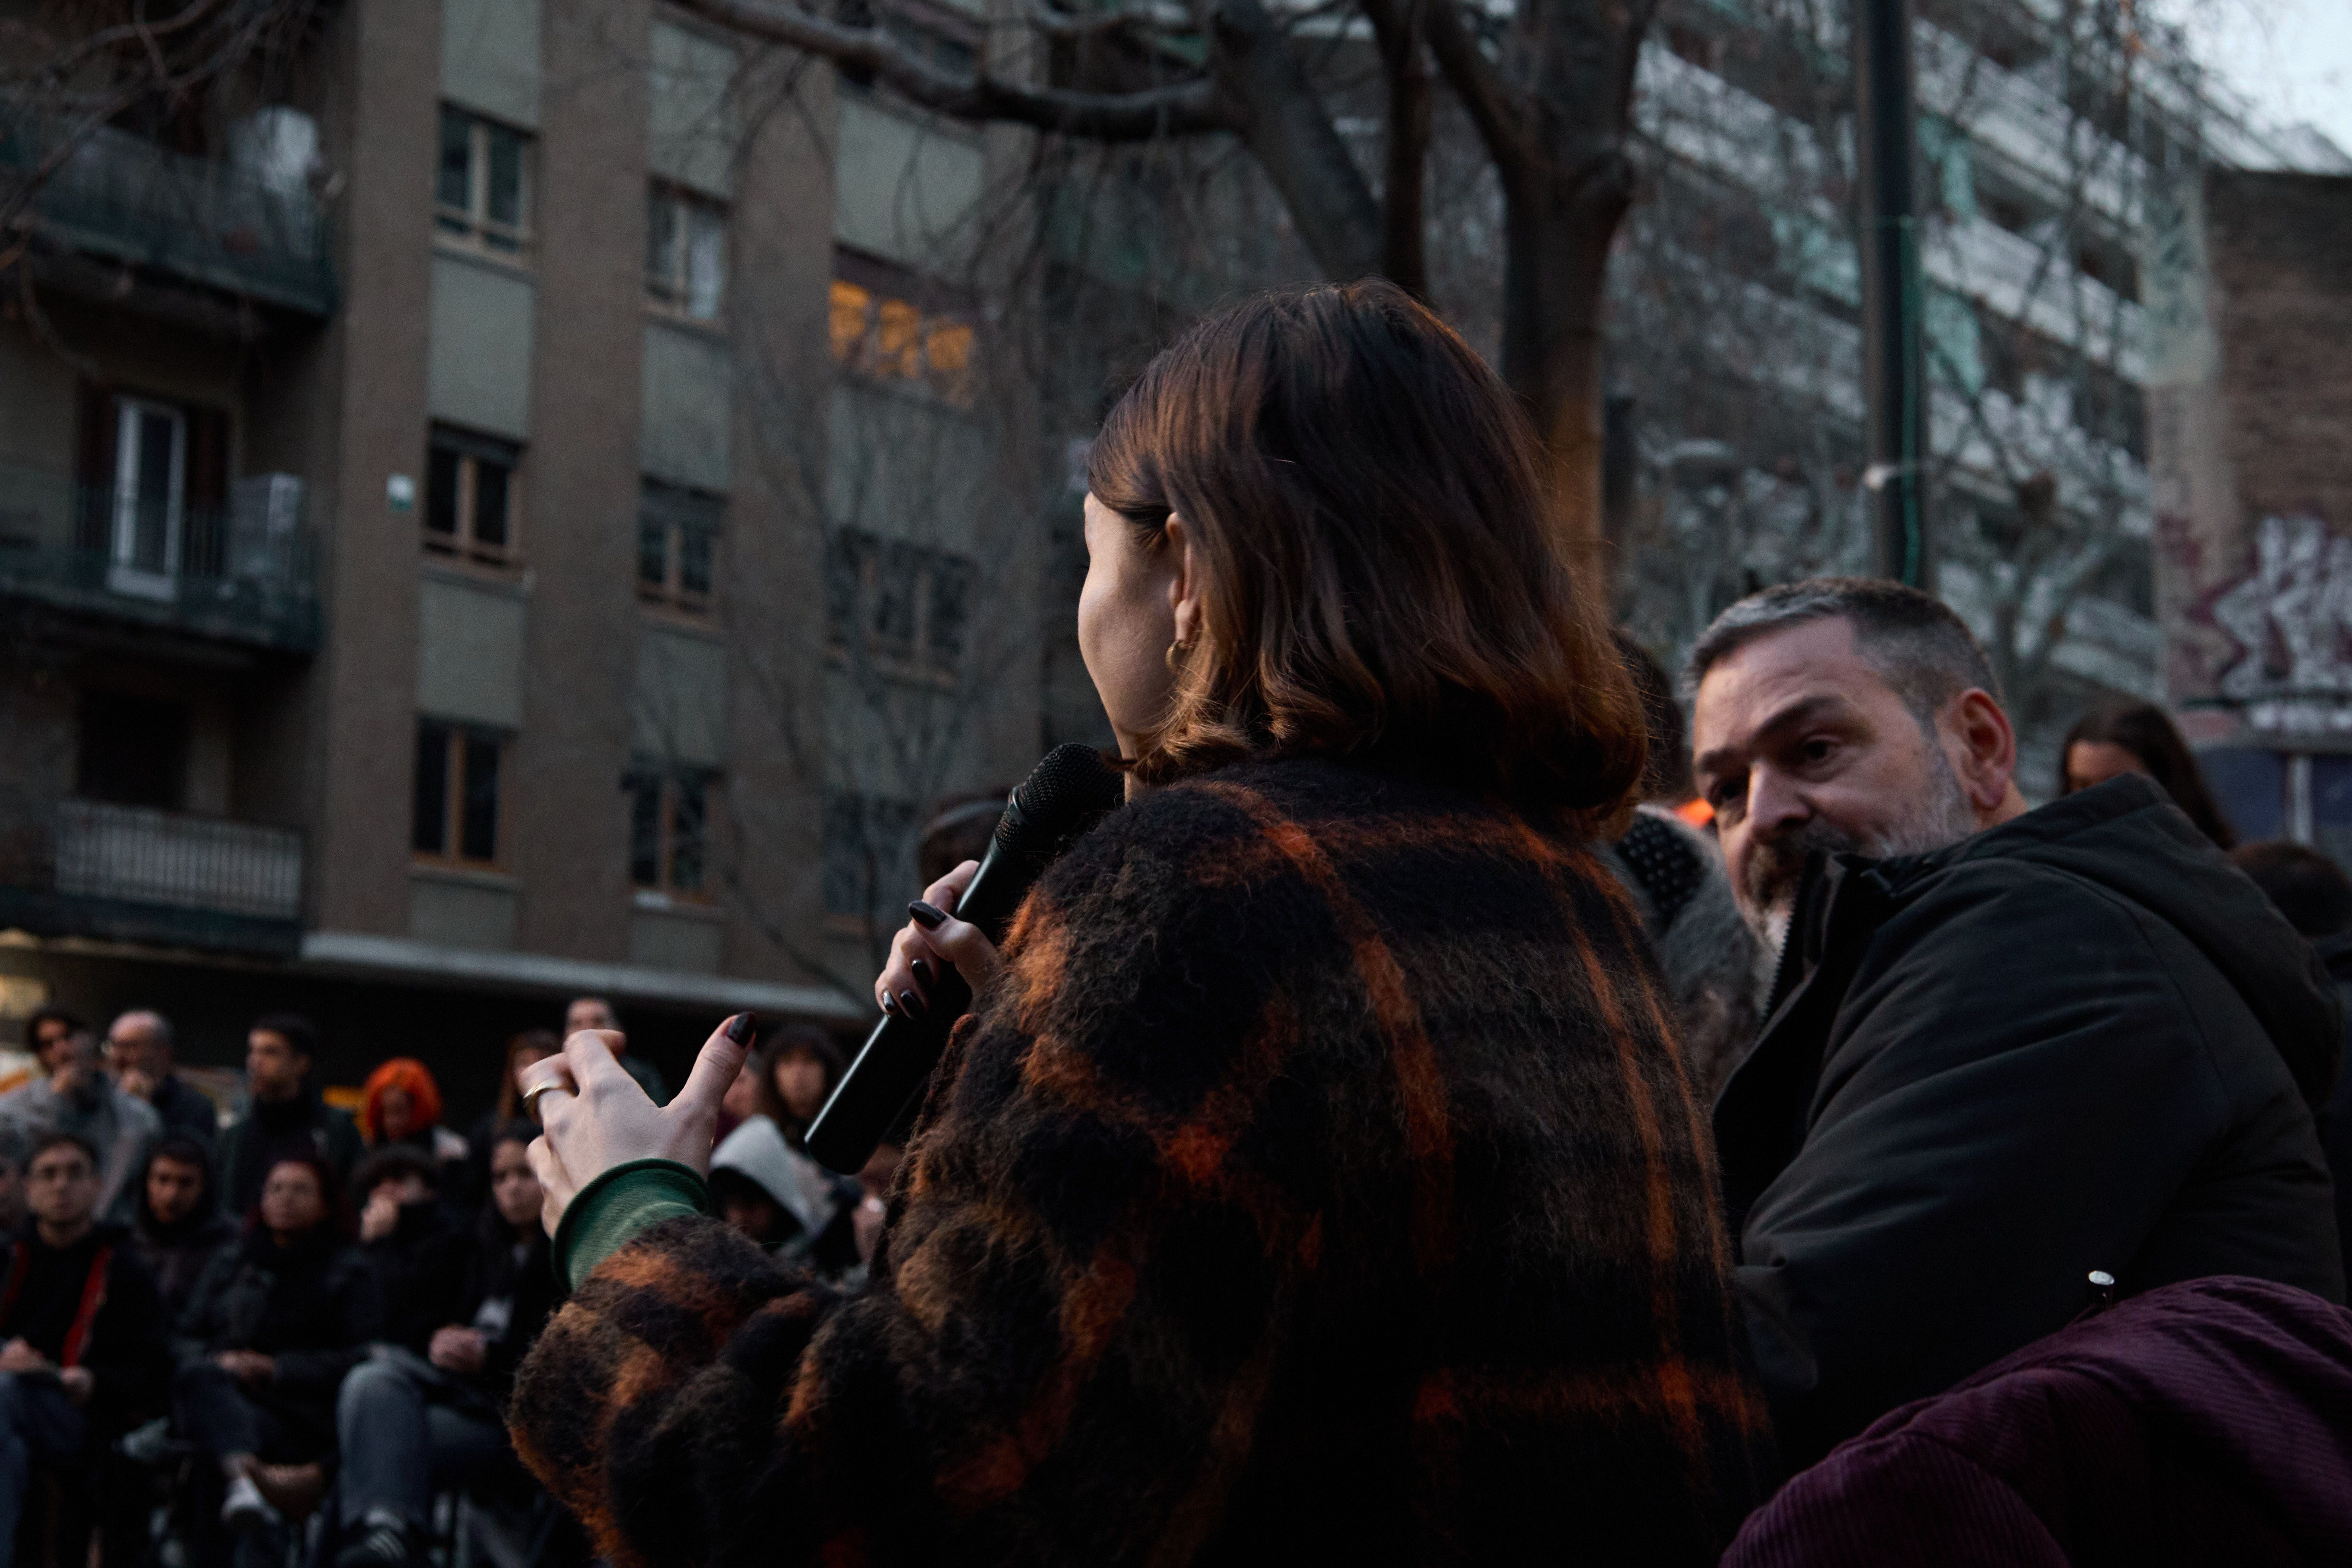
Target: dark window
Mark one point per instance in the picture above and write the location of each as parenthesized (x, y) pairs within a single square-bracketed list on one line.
[(430, 822), (480, 840), (678, 536), (134, 750), (469, 483), (481, 188), (868, 850), (901, 604), (668, 816), (455, 816)]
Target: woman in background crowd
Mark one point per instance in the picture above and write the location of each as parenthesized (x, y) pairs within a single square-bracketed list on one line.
[(522, 1050), (412, 1422), (179, 1228), (2138, 739), (401, 1104), (274, 1324), (761, 1177)]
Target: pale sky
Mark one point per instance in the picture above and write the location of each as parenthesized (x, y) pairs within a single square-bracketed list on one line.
[(2292, 57)]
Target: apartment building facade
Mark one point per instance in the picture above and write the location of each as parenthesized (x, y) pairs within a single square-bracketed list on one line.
[(2050, 136), (434, 584)]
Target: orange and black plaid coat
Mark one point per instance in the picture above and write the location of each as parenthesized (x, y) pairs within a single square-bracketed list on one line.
[(1318, 1184)]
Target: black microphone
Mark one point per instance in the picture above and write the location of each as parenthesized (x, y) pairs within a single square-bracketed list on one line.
[(1065, 794)]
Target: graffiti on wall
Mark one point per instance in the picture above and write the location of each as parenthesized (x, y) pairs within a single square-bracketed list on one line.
[(2291, 619)]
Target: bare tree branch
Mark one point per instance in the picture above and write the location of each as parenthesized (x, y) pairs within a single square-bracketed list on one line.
[(1404, 241), (1179, 109)]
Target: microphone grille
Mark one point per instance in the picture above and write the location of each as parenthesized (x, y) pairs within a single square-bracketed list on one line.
[(1067, 790)]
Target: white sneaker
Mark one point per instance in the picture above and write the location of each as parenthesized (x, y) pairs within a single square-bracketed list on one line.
[(245, 1508)]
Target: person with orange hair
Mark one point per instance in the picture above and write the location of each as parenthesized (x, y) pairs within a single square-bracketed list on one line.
[(401, 1104)]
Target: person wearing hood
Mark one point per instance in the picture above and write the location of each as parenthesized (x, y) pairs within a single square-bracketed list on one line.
[(781, 1199), (2313, 894), (2004, 1048), (275, 1323), (287, 1118), (75, 1095), (178, 1229), (82, 1328)]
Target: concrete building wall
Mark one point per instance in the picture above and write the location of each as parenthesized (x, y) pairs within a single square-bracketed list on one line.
[(906, 190), (490, 58), (470, 651), (688, 405)]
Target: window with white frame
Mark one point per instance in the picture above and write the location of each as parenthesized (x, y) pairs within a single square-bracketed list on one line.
[(686, 253), (481, 193), (151, 471)]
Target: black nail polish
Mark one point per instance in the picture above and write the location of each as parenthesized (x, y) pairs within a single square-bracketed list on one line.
[(890, 1003), (912, 1004), (922, 968), (744, 1028), (927, 916)]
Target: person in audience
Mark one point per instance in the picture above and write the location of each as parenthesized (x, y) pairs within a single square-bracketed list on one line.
[(82, 1333), (522, 1050), (764, 1181), (2313, 894), (287, 1117), (1713, 965), (2005, 1047), (2138, 738), (74, 1095), (595, 1013), (418, 1253), (179, 1230), (139, 1051), (960, 829), (400, 1106), (798, 1069), (275, 1323), (411, 1423)]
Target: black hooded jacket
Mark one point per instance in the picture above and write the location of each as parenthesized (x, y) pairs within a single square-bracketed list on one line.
[(2080, 1040), (312, 1307), (44, 1291)]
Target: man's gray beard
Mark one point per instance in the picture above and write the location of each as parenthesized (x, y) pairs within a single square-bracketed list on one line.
[(1941, 816)]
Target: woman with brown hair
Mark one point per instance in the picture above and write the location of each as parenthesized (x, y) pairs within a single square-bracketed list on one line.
[(2137, 738), (1316, 1178)]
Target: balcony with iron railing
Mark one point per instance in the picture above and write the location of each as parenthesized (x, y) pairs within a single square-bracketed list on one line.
[(249, 226), (241, 573), (135, 874)]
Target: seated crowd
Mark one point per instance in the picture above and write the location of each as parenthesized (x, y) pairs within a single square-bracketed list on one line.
[(211, 1333)]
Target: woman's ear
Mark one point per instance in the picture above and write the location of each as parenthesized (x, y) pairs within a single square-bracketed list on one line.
[(1185, 581)]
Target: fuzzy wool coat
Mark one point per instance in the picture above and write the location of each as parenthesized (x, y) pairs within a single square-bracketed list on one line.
[(1317, 1183)]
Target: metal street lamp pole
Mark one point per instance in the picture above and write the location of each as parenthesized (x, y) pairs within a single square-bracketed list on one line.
[(1893, 293)]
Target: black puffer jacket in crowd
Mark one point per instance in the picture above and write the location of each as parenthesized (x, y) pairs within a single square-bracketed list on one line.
[(422, 1268), (312, 1307), (2080, 1040)]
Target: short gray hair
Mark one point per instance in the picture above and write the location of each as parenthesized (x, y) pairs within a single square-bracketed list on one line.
[(157, 1024), (1923, 651)]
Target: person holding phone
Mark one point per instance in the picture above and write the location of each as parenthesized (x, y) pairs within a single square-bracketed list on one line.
[(1315, 1177)]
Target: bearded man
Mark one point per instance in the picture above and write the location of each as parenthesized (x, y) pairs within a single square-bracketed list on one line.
[(2003, 1047)]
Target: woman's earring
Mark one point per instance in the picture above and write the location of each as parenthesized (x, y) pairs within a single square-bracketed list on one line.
[(1175, 665)]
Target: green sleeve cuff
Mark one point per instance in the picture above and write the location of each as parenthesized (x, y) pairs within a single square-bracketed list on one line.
[(609, 1211)]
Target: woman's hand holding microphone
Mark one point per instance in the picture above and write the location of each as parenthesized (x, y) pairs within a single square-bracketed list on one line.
[(933, 937)]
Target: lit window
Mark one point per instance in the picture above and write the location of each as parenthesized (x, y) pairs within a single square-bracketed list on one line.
[(470, 496), (668, 824), (677, 544), (481, 195), (686, 253), (890, 339), (456, 814)]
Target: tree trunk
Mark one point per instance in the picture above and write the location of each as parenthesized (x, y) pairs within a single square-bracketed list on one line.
[(1555, 281)]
